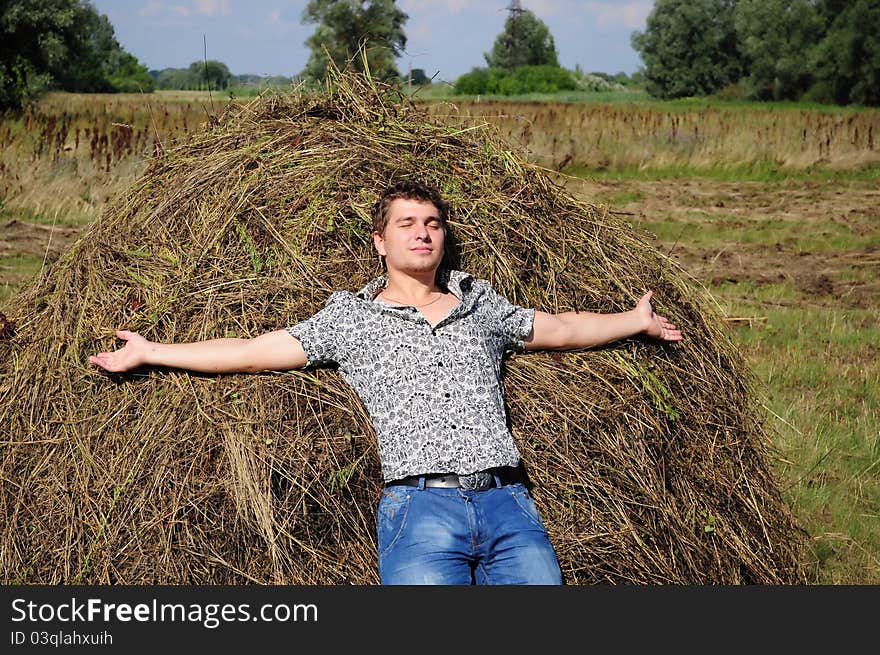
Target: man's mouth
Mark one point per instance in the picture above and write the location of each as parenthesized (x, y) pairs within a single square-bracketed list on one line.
[(421, 249)]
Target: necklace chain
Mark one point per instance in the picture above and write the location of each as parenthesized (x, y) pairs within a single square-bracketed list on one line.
[(416, 306)]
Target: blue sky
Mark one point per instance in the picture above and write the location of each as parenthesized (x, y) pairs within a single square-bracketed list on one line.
[(447, 37)]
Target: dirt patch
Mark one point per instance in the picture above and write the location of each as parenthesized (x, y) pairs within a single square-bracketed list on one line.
[(847, 277), (852, 203), (20, 237), (818, 285), (36, 243)]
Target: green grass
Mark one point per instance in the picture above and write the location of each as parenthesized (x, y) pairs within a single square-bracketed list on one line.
[(717, 230), (817, 370), (759, 293), (617, 198), (771, 105), (68, 218), (762, 172), (250, 90), (444, 91), (21, 268)]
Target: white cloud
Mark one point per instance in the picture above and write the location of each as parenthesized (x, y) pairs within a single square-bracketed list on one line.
[(278, 22), (213, 7), (451, 6), (613, 14), (151, 8), (545, 8), (608, 13), (192, 8), (420, 31)]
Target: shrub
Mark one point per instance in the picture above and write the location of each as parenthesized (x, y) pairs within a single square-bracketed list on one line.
[(527, 79)]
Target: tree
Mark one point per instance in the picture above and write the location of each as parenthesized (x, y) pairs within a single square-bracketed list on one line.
[(689, 47), (209, 74), (127, 75), (525, 41), (776, 38), (176, 79), (343, 26), (847, 60), (33, 37), (63, 44), (418, 77), (90, 49)]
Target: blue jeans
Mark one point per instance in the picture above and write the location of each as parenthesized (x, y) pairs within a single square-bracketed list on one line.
[(461, 537)]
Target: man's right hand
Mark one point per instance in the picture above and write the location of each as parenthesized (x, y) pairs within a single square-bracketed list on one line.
[(277, 351), (131, 355)]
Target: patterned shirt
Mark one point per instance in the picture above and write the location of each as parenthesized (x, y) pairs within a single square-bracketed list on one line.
[(434, 394)]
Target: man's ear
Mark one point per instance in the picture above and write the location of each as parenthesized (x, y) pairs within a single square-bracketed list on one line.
[(379, 242)]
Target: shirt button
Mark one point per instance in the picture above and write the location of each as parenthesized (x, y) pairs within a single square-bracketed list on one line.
[(453, 426), (446, 394), (439, 363)]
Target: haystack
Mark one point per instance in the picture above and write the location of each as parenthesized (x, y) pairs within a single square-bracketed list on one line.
[(650, 461)]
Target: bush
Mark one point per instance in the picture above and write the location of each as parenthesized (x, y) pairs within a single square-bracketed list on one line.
[(596, 82), (129, 76), (821, 91), (133, 84), (732, 91), (528, 79), (474, 83)]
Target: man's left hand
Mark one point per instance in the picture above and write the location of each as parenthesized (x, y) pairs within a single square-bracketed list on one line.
[(655, 325)]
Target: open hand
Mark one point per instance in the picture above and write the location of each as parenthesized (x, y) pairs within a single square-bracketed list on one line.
[(131, 355), (655, 325)]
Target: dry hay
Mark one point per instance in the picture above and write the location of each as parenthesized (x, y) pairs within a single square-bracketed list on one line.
[(650, 461)]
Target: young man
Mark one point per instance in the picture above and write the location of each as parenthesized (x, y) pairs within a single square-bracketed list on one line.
[(422, 346)]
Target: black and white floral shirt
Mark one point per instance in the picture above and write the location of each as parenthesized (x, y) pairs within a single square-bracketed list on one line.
[(435, 394)]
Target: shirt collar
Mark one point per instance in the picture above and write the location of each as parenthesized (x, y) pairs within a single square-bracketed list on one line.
[(458, 282)]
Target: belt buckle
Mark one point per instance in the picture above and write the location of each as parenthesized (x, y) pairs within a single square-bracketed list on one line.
[(476, 481)]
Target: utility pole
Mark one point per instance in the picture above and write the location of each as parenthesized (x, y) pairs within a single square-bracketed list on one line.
[(517, 46)]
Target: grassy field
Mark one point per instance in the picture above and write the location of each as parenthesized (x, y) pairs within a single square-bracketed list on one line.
[(795, 267), (774, 208), (736, 140)]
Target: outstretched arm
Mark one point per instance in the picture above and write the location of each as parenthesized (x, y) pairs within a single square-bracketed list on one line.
[(573, 330), (275, 351)]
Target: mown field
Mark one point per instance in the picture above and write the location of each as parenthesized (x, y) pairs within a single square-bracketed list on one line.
[(774, 208)]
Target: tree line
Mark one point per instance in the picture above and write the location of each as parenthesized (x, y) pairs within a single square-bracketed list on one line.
[(62, 44), (68, 45), (820, 50), (210, 75)]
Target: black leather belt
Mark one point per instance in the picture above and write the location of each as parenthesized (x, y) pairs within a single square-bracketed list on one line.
[(476, 481)]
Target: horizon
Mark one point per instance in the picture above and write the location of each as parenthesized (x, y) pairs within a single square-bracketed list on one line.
[(445, 38)]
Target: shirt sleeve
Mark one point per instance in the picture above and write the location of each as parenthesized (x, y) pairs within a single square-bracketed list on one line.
[(515, 322), (323, 336)]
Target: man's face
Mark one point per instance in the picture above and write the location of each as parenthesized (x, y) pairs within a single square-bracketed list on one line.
[(414, 236)]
